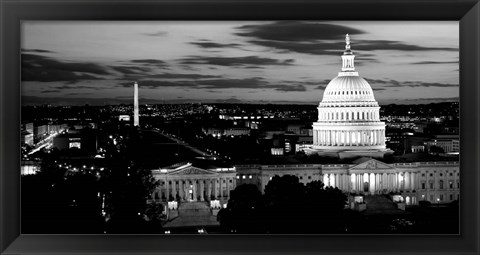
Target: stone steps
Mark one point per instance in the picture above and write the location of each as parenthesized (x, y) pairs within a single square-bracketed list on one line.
[(193, 209)]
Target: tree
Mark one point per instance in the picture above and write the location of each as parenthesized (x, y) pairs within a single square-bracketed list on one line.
[(324, 207), (244, 208), (129, 188), (284, 204), (436, 150)]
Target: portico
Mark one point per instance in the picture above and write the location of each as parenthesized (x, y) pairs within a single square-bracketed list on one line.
[(187, 183)]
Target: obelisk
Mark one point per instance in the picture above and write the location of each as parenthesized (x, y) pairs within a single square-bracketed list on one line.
[(135, 105)]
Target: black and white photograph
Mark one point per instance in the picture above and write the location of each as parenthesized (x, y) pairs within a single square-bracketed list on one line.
[(240, 127)]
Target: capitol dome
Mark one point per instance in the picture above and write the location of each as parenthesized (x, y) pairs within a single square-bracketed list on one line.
[(348, 88), (348, 115)]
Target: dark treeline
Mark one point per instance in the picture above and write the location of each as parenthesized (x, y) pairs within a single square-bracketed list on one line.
[(287, 206), (58, 200)]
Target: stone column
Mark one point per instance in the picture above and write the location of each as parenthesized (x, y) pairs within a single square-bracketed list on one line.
[(202, 190), (209, 189), (220, 186), (167, 188), (359, 181), (412, 181), (180, 190), (174, 190)]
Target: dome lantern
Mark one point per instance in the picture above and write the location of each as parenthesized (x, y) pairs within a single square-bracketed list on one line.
[(348, 58)]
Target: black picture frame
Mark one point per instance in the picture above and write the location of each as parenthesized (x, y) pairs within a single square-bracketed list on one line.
[(13, 12)]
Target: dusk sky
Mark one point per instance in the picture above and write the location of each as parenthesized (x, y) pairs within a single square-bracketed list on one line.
[(236, 61)]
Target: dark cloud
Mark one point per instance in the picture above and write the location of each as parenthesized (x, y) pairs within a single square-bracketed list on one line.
[(156, 34), (248, 61), (214, 84), (46, 69), (50, 91), (396, 84), (78, 94), (36, 51), (337, 48), (369, 45), (68, 87), (209, 44), (319, 38), (288, 88), (148, 61), (303, 47), (294, 31), (234, 83), (435, 62), (128, 70), (159, 84), (440, 99), (182, 76)]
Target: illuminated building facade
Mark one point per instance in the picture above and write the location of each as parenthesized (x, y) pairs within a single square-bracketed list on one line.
[(348, 116)]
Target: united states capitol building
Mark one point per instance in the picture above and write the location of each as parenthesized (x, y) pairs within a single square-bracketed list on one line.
[(348, 127)]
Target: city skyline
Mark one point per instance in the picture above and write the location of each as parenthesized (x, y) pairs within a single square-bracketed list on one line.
[(240, 62)]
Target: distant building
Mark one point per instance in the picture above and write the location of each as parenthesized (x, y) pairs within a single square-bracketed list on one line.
[(40, 132), (417, 148), (125, 118), (26, 138), (28, 167), (28, 127), (83, 140), (232, 131), (186, 182)]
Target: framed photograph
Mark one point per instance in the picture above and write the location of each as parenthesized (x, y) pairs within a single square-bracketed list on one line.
[(191, 127)]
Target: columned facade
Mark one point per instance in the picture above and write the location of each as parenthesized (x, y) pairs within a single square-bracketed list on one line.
[(436, 182), (187, 183)]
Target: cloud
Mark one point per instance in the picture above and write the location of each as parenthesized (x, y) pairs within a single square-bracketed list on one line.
[(68, 87), (396, 84), (156, 34), (36, 51), (78, 93), (182, 76), (217, 84), (208, 44), (50, 91), (319, 38), (337, 48), (303, 47), (127, 70), (148, 61), (370, 45), (46, 69), (159, 84), (435, 62), (288, 88), (295, 31), (248, 61)]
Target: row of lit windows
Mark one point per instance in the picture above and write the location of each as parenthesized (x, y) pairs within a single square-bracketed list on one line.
[(369, 115), (244, 177), (337, 93), (440, 184), (440, 198), (187, 182), (440, 174)]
